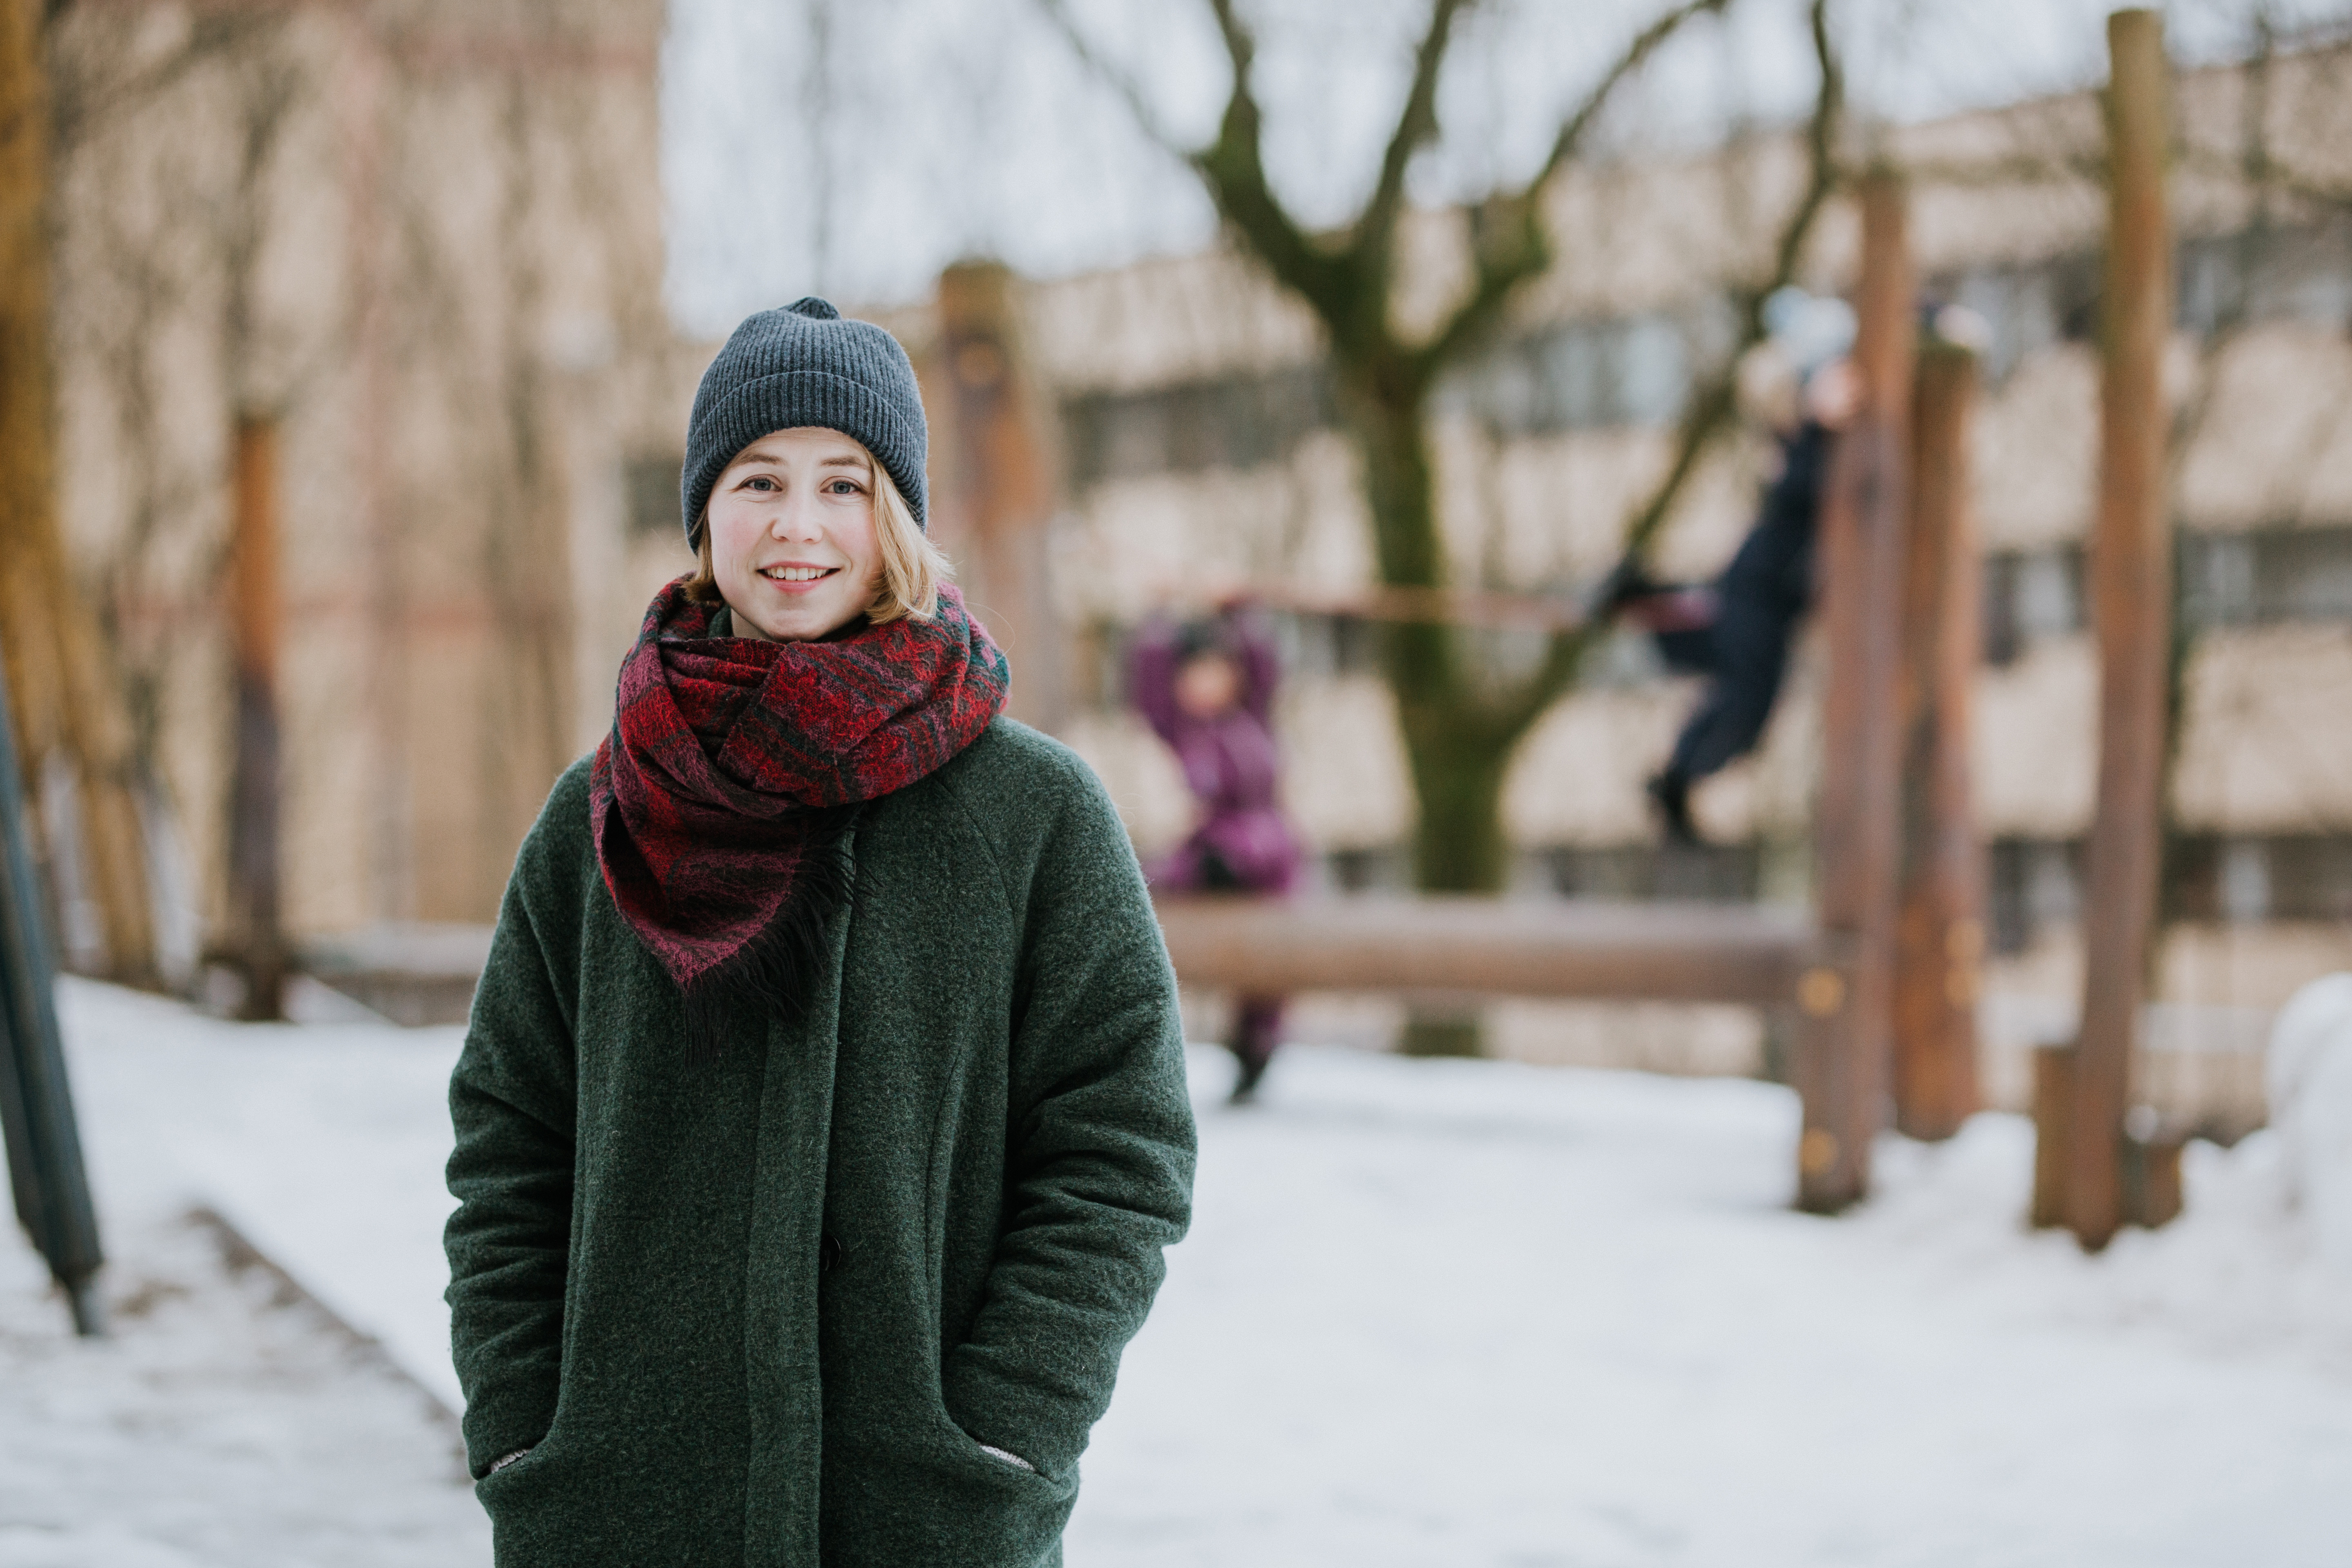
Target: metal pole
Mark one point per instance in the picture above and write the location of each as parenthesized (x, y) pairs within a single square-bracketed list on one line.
[(36, 1115), (1846, 1003), (1940, 935), (2131, 592)]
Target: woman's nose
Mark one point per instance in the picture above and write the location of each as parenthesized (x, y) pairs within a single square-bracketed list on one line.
[(796, 520)]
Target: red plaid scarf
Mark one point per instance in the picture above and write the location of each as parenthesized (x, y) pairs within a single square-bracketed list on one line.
[(734, 768)]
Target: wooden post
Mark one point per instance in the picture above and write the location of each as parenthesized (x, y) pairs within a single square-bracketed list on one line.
[(2054, 1109), (1846, 1004), (1940, 935), (2131, 593), (1003, 484), (256, 934), (60, 675), (2148, 1167)]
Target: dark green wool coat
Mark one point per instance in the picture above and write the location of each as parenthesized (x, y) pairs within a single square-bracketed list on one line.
[(767, 1314)]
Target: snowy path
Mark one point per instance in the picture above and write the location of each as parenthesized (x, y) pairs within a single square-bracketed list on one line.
[(1431, 1313), (220, 1426)]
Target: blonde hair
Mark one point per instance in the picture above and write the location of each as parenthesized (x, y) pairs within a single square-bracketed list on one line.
[(912, 566)]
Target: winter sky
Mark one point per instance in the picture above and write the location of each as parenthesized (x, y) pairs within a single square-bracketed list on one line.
[(854, 149)]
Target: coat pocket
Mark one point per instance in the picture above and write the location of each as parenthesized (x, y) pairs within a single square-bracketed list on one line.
[(1001, 1464)]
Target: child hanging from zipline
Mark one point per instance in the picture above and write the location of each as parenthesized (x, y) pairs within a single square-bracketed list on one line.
[(1738, 630), (1207, 689)]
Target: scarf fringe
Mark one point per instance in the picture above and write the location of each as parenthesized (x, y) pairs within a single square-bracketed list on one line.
[(775, 974)]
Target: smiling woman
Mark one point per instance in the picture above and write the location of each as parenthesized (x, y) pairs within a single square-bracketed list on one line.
[(822, 1117)]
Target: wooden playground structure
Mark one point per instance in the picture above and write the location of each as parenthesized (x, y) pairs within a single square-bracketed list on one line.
[(1881, 983)]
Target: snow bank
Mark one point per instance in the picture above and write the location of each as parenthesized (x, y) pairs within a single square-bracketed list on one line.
[(2309, 1077)]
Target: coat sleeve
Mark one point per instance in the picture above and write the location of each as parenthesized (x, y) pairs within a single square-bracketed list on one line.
[(1100, 1150), (1253, 645), (511, 1101), (1152, 677)]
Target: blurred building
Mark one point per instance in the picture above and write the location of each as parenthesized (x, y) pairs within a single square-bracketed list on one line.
[(420, 242)]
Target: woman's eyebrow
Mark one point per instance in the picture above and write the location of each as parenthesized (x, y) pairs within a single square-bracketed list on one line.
[(843, 461)]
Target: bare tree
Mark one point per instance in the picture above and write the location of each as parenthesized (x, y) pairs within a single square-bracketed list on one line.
[(60, 687), (1460, 724)]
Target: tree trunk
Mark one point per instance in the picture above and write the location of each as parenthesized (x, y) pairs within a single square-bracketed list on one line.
[(1459, 846), (60, 680), (1457, 751), (256, 932)]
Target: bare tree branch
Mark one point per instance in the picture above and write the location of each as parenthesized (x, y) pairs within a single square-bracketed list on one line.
[(2276, 176), (1646, 43), (1509, 242), (1415, 126), (1234, 167), (2005, 172), (1130, 91)]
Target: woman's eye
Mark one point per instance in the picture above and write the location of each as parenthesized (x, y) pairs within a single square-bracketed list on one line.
[(759, 482), (843, 487)]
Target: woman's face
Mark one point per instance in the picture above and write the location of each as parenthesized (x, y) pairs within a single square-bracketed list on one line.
[(793, 546)]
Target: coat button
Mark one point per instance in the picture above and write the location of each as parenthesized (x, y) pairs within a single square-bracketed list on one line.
[(828, 1253)]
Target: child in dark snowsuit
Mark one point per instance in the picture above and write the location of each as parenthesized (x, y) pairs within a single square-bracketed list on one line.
[(1208, 691), (1739, 633), (1744, 647)]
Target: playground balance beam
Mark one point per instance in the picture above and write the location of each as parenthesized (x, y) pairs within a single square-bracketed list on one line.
[(1457, 947)]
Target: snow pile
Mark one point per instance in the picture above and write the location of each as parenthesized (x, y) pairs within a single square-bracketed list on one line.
[(2310, 1083), (1431, 1312)]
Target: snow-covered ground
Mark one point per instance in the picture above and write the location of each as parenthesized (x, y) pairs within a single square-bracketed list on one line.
[(221, 1424), (1431, 1313)]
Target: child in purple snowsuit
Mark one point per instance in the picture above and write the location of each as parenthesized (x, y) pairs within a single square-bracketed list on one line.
[(1208, 691)]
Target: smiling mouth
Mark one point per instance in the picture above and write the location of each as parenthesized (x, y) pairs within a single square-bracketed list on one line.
[(798, 574)]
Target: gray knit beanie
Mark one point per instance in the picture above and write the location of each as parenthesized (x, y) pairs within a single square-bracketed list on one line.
[(804, 365)]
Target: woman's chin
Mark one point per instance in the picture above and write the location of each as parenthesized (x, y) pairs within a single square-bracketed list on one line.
[(804, 620)]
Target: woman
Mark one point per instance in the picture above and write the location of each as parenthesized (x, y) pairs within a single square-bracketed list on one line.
[(823, 1116), (1208, 691)]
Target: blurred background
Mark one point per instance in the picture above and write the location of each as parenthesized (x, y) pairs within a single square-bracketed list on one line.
[(348, 351)]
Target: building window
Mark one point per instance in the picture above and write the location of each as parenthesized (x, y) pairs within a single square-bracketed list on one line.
[(2030, 595), (2031, 885), (2266, 577)]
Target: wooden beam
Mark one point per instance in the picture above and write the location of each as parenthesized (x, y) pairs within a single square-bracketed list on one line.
[(1002, 494), (1484, 608), (1445, 948), (1940, 935), (1844, 1039), (2131, 594), (256, 933)]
